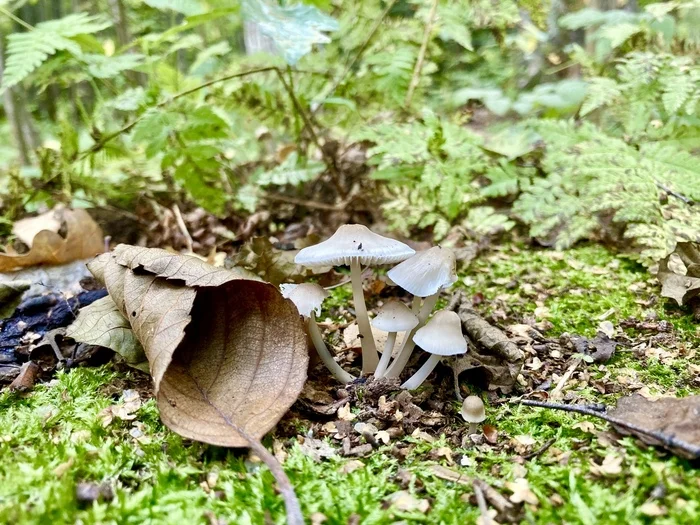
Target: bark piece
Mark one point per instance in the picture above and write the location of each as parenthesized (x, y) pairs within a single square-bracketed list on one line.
[(493, 355)]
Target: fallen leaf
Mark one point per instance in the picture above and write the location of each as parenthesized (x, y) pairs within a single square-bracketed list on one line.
[(225, 350), (674, 422), (345, 414), (679, 273), (406, 502), (261, 258), (317, 448), (490, 433), (351, 466), (652, 509), (11, 295), (83, 239), (102, 324), (26, 229), (610, 467), (449, 474), (521, 492)]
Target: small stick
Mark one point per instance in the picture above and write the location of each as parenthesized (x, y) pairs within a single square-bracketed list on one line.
[(540, 450), (415, 79), (687, 200), (306, 203), (565, 378), (183, 228), (481, 501), (666, 440)]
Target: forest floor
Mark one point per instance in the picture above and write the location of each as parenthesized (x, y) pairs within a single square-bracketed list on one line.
[(88, 446)]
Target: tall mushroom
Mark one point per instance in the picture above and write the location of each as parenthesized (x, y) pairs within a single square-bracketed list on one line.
[(392, 317), (354, 245), (424, 275), (308, 299), (441, 337)]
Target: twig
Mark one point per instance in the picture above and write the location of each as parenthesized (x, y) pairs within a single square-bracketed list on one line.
[(679, 196), (291, 502), (540, 450), (306, 203), (481, 501), (107, 138), (16, 19), (358, 55), (329, 161), (565, 378), (666, 440), (183, 228), (415, 79)]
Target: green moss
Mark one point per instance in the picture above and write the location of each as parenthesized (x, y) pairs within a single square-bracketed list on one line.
[(159, 479)]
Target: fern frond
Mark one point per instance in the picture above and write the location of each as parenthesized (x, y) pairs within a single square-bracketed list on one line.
[(28, 51)]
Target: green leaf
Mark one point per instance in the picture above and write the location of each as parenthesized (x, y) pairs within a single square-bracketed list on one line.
[(101, 66), (186, 7), (289, 172), (512, 142), (294, 29), (27, 51), (153, 130)]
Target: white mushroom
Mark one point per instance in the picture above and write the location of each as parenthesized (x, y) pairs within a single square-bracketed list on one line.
[(441, 337), (308, 299), (424, 275), (473, 412), (355, 245), (393, 317)]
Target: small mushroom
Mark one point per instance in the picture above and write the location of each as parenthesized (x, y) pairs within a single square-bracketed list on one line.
[(473, 413), (355, 245), (308, 299), (393, 317), (424, 275), (441, 337)]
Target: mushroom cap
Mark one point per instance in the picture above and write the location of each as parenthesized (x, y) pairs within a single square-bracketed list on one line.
[(442, 335), (473, 410), (394, 316), (307, 297), (427, 272), (354, 242)]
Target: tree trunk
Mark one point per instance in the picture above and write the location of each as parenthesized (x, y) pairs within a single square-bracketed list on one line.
[(13, 114)]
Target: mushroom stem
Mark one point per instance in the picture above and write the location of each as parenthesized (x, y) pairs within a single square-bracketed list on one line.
[(370, 358), (335, 369), (473, 427), (422, 374), (416, 304), (386, 355), (407, 348)]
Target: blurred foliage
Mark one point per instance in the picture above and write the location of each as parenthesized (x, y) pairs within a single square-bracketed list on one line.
[(476, 116)]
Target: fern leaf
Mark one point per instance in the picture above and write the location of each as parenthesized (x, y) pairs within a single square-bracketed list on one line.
[(601, 92), (26, 52), (186, 7), (290, 173)]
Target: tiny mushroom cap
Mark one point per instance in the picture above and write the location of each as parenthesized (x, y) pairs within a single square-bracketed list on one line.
[(473, 410), (442, 335), (427, 272), (307, 297), (354, 242), (395, 316)]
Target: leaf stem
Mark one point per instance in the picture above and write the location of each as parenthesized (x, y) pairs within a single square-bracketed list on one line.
[(415, 79)]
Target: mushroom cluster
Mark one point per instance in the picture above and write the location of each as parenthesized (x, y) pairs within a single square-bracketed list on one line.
[(424, 274)]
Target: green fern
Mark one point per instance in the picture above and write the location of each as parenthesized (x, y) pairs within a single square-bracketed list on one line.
[(26, 52), (289, 172), (596, 182)]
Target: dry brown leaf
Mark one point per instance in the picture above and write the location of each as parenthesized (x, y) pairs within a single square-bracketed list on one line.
[(679, 273), (11, 295), (225, 351), (26, 229), (83, 239), (673, 422)]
